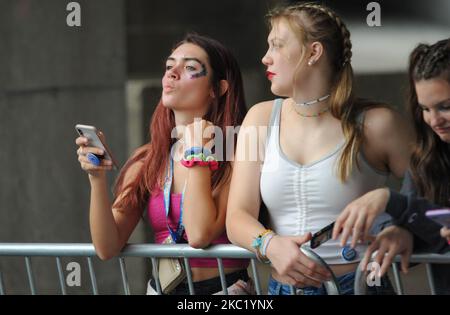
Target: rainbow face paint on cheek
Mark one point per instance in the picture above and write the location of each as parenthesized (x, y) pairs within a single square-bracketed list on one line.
[(202, 73)]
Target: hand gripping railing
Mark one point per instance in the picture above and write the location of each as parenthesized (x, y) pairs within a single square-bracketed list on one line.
[(427, 259), (332, 286), (152, 251)]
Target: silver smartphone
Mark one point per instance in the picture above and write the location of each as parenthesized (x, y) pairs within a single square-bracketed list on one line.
[(95, 140)]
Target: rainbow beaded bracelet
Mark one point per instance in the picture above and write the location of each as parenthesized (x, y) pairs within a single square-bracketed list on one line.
[(198, 156), (260, 245)]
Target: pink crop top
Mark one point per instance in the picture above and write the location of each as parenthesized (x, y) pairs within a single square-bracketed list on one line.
[(157, 218)]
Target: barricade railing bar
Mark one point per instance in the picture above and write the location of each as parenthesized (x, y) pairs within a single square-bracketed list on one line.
[(184, 251), (151, 251)]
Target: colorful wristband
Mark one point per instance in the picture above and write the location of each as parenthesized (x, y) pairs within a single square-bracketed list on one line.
[(196, 150), (266, 242), (258, 244), (199, 156), (212, 164)]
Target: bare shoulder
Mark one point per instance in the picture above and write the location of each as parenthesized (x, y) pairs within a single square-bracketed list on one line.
[(388, 132), (389, 136), (259, 114), (254, 127), (382, 121)]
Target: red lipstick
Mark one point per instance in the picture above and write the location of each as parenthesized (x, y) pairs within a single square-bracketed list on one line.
[(270, 75)]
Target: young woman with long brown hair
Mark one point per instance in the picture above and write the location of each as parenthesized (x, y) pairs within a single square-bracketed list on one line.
[(186, 201), (426, 185)]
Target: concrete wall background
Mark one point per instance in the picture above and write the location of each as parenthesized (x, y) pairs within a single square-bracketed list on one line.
[(52, 77), (107, 73)]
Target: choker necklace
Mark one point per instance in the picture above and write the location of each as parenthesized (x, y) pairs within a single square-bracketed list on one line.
[(323, 111), (323, 98)]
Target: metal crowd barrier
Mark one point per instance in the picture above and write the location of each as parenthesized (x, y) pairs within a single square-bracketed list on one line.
[(152, 251), (427, 259)]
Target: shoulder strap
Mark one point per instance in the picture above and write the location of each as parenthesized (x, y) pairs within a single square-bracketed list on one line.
[(275, 110)]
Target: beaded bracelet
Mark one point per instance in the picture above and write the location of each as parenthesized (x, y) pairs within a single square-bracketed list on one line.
[(198, 156), (212, 164), (258, 244), (196, 150), (266, 241)]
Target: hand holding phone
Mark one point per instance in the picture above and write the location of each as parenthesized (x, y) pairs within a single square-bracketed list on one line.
[(440, 216), (322, 236), (95, 140)]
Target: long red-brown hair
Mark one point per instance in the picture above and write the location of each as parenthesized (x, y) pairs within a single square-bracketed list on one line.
[(226, 110)]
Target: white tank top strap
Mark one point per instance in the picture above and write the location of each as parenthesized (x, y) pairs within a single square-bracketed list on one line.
[(274, 116)]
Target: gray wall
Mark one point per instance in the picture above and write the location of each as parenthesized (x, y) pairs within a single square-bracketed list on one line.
[(52, 77)]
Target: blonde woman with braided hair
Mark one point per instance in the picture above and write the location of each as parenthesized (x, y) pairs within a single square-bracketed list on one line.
[(323, 148)]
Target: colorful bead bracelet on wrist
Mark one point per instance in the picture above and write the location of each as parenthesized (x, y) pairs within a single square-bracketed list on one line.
[(266, 241), (199, 156), (260, 244), (197, 150)]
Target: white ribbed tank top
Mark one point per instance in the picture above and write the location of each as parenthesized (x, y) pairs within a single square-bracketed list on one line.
[(306, 198)]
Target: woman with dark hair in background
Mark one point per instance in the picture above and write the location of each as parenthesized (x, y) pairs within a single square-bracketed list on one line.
[(186, 196), (426, 185)]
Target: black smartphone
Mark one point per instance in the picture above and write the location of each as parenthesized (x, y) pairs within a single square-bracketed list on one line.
[(322, 236)]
